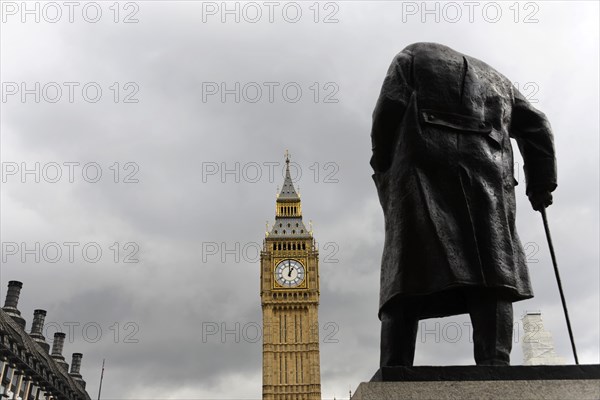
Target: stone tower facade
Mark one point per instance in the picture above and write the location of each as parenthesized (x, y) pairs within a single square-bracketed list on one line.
[(538, 345), (289, 282)]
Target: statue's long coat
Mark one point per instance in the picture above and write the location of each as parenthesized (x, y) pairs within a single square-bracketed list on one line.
[(443, 166)]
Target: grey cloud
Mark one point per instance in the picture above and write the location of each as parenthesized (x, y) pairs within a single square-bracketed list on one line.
[(171, 212)]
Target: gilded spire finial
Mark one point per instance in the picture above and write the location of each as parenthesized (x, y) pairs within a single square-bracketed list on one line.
[(287, 156)]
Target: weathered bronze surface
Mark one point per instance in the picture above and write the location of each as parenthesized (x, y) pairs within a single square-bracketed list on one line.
[(443, 166)]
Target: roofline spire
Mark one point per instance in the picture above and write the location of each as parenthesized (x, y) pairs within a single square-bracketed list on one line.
[(287, 163), (288, 192)]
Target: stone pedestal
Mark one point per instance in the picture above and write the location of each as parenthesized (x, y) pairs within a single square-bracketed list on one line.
[(579, 382)]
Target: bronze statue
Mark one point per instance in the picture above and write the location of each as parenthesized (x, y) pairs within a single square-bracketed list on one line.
[(443, 167)]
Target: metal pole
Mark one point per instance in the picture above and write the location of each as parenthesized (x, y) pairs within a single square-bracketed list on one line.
[(101, 376), (558, 281)]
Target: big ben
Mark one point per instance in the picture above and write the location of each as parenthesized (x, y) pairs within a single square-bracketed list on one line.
[(289, 291)]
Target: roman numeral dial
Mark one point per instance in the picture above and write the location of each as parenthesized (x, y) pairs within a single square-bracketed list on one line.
[(289, 273)]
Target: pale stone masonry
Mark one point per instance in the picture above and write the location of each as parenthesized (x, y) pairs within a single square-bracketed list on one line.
[(467, 382), (538, 344)]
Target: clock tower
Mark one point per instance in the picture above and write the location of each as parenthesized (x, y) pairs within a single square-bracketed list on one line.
[(289, 292)]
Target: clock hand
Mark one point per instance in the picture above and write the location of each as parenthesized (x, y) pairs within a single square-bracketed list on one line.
[(289, 269)]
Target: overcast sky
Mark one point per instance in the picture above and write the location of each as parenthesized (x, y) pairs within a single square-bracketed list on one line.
[(164, 134)]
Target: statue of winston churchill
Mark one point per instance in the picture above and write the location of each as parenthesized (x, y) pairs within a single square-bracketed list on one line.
[(443, 168)]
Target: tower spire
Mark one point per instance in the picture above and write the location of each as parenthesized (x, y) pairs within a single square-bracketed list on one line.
[(288, 192), (288, 215)]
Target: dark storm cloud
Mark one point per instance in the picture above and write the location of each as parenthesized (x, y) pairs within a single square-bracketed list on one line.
[(177, 292)]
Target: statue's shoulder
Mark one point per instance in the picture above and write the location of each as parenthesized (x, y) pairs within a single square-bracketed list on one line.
[(429, 53), (432, 48), (436, 53), (484, 70)]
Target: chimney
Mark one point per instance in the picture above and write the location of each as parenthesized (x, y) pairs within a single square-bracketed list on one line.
[(37, 327), (12, 301), (57, 348), (75, 366)]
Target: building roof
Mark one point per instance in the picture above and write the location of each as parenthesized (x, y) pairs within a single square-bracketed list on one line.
[(289, 226), (288, 192), (295, 230), (20, 348)]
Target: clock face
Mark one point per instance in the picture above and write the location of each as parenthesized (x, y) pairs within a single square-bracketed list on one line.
[(289, 273)]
